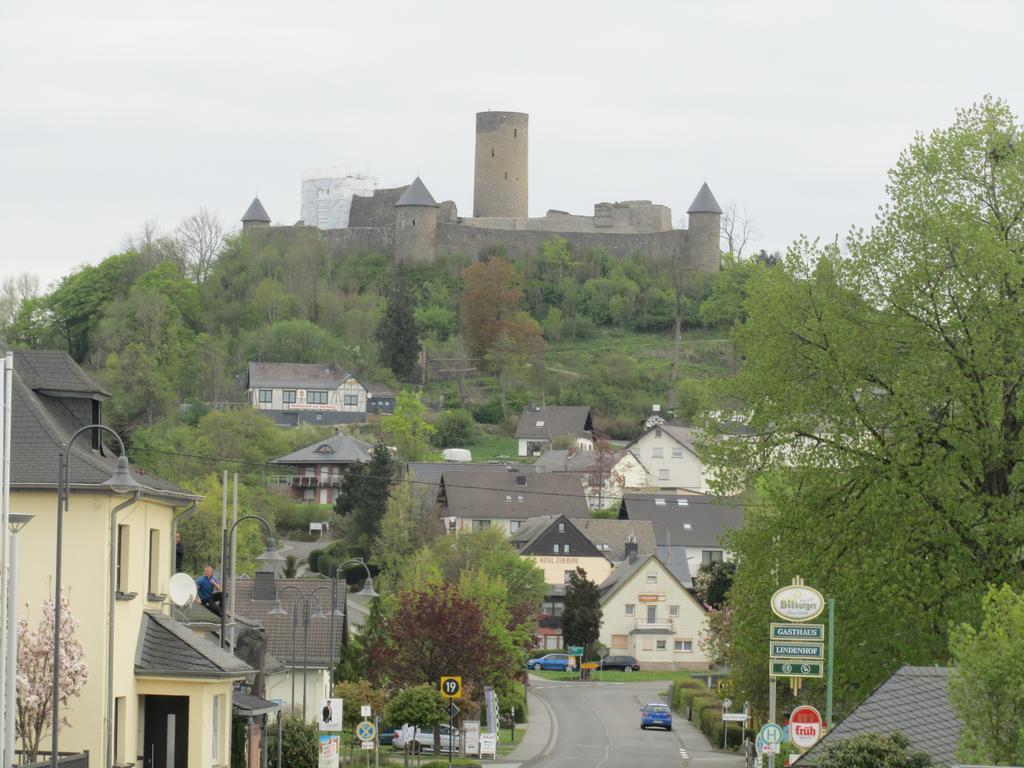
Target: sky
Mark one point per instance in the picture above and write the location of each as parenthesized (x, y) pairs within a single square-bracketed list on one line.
[(113, 114)]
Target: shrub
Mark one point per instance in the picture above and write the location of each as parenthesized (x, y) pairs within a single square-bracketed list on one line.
[(454, 429), (489, 413), (300, 743), (683, 693)]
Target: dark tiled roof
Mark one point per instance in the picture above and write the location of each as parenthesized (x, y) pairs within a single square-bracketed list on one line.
[(417, 194), (615, 533), (691, 520), (42, 424), (169, 649), (915, 701), (428, 473), (704, 202), (676, 559), (47, 371), (542, 422), (250, 706), (296, 375), (279, 628), (256, 212), (487, 495), (378, 390), (573, 461), (340, 449)]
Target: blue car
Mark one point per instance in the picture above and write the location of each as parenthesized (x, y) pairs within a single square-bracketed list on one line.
[(656, 715), (557, 661)]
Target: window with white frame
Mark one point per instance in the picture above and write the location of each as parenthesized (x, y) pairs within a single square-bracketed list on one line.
[(351, 400), (677, 452), (567, 575), (712, 556), (657, 452), (663, 473), (218, 709), (288, 396), (630, 609), (652, 577), (661, 645), (684, 646), (514, 525), (480, 525), (266, 395), (556, 549), (565, 549), (317, 397)]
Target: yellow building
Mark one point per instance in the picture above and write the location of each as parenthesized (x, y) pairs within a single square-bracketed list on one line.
[(156, 691)]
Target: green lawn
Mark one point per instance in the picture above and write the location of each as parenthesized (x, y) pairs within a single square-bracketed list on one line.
[(616, 676), (490, 447)]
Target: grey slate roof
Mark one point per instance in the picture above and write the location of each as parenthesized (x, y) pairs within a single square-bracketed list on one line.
[(378, 390), (167, 648), (691, 520), (307, 375), (279, 628), (542, 422), (613, 534), (41, 424), (685, 436), (496, 495), (256, 212), (704, 202), (624, 572), (340, 449), (417, 194), (247, 705), (677, 560), (571, 461), (428, 473), (915, 701)]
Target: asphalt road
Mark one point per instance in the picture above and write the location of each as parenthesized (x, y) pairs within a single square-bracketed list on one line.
[(597, 725)]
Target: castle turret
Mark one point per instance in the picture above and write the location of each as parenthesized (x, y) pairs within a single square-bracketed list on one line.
[(255, 216), (500, 184), (415, 224), (704, 231)]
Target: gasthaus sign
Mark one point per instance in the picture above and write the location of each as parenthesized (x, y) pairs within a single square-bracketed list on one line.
[(797, 603)]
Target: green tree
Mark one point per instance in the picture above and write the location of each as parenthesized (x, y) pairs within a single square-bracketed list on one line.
[(581, 617), (397, 333), (454, 429), (364, 497), (417, 705), (881, 396), (873, 750), (409, 522), (493, 293), (986, 687), (713, 581), (300, 744), (407, 429), (359, 693)]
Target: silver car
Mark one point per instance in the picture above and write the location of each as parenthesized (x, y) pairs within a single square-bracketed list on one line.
[(422, 739)]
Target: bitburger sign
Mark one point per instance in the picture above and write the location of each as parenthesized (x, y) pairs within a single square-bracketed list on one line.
[(797, 603)]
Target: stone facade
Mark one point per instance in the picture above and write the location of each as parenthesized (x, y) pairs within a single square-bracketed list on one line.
[(380, 222)]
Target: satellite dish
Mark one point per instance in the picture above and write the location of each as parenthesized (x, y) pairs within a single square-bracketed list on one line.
[(181, 589)]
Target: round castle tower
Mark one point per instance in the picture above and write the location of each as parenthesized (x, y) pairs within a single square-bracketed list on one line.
[(704, 231), (415, 224), (500, 181), (255, 216)]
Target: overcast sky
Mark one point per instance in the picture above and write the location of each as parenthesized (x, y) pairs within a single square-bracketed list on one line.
[(115, 113)]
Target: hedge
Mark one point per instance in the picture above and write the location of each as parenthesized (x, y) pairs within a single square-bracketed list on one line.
[(683, 693), (711, 724)]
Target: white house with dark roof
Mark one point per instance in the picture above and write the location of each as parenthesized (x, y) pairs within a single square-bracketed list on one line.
[(650, 615), (689, 526), (669, 454), (475, 500), (316, 470), (603, 476), (539, 425), (301, 393)]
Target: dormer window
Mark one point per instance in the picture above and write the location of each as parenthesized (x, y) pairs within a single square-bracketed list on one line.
[(521, 480), (325, 448), (540, 423)]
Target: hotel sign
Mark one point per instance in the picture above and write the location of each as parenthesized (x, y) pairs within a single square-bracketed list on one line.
[(802, 632)]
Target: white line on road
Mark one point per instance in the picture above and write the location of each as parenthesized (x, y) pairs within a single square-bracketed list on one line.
[(684, 754)]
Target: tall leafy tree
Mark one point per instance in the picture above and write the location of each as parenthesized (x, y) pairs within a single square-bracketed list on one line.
[(492, 295), (407, 428), (364, 496), (881, 391), (987, 685), (581, 617), (398, 333)]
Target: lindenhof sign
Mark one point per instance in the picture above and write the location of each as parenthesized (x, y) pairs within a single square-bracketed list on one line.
[(797, 603)]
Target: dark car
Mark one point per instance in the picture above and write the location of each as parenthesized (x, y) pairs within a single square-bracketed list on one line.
[(656, 715), (625, 663)]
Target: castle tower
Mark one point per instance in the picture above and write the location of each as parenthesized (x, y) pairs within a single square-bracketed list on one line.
[(500, 185), (415, 224), (704, 232), (255, 216)]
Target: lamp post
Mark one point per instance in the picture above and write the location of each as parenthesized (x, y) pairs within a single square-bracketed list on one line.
[(120, 482), (367, 591), (269, 557), (15, 524), (304, 599)]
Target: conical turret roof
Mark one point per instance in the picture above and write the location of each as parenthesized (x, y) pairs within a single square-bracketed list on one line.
[(417, 194), (704, 202), (256, 212)]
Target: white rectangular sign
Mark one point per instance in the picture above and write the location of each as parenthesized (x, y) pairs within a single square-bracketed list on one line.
[(489, 744), (472, 730), (735, 717), (365, 710)]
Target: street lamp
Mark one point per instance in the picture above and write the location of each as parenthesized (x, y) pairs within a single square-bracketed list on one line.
[(15, 524), (318, 613), (269, 558), (121, 482), (367, 591)]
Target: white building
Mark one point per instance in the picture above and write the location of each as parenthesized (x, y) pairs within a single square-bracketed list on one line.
[(327, 196), (670, 457)]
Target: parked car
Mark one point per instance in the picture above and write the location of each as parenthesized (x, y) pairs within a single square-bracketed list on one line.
[(625, 663), (557, 661), (656, 715), (422, 738)]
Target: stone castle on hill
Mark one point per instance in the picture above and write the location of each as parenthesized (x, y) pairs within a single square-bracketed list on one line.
[(407, 224)]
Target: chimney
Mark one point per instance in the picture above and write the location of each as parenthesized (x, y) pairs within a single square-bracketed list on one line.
[(632, 549)]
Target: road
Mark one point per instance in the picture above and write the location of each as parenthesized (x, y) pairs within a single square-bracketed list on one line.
[(597, 725), (301, 550)]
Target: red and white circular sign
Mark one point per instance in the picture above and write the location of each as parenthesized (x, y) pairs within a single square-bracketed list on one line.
[(805, 727)]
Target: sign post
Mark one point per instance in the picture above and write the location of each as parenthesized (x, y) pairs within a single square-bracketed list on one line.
[(451, 687)]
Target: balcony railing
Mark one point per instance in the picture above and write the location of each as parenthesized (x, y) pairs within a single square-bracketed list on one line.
[(644, 623), (306, 481)]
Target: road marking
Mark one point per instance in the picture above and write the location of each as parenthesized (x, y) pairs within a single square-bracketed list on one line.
[(684, 754)]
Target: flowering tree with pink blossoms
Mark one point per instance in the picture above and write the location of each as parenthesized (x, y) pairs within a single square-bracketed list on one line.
[(35, 674)]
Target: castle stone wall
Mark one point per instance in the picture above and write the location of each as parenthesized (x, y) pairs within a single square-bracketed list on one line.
[(355, 239), (375, 211), (629, 217)]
